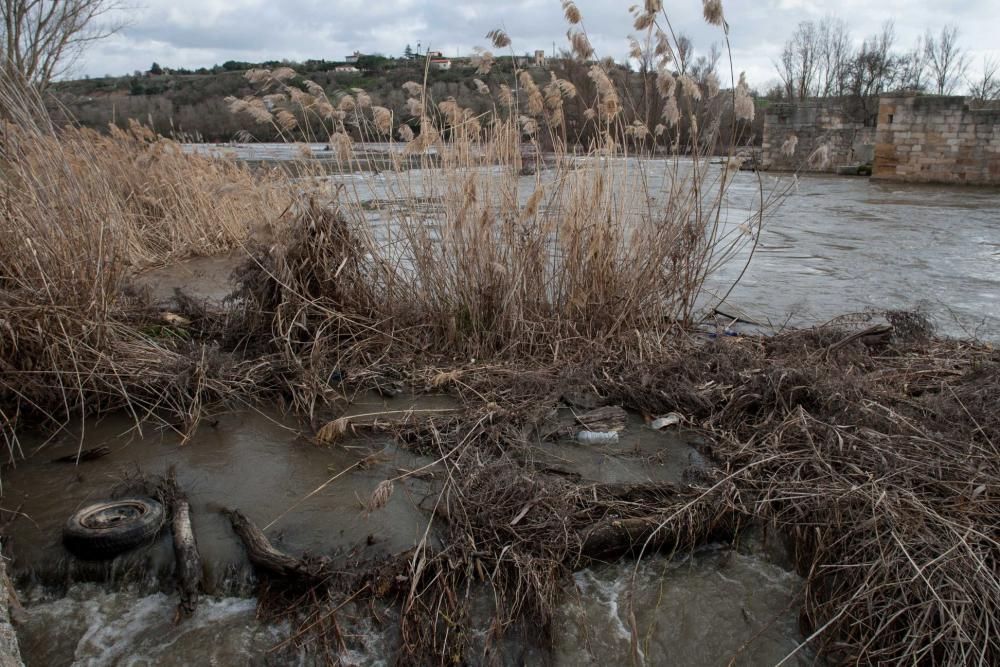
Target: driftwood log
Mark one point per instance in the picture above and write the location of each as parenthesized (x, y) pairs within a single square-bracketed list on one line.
[(649, 534), (185, 550), (266, 557), (609, 418)]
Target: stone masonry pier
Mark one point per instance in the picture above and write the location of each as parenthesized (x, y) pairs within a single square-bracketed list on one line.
[(925, 139)]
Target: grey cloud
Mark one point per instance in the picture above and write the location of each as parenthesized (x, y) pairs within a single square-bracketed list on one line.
[(193, 33)]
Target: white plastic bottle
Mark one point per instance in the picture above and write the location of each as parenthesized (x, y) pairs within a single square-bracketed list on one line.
[(597, 437)]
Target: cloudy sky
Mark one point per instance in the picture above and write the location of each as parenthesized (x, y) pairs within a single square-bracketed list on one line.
[(196, 33)]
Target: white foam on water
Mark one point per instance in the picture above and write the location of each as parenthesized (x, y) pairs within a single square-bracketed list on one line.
[(97, 629)]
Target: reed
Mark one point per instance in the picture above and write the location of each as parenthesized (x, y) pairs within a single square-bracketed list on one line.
[(80, 213)]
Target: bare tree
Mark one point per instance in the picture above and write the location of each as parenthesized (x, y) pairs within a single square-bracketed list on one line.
[(798, 62), (913, 68), (685, 49), (987, 86), (834, 49), (706, 64), (945, 59), (40, 39), (874, 70)]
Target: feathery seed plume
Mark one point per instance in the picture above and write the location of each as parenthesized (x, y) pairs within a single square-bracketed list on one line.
[(405, 133), (712, 85), (381, 496), (314, 88), (644, 21), (663, 48), (342, 146), (666, 83), (606, 92), (671, 112), (481, 87), (788, 148), (580, 44), (257, 75), (258, 111), (499, 38), (571, 12), (235, 104), (535, 101), (506, 95), (413, 89), (713, 11), (635, 48), (283, 74), (383, 119), (286, 120), (483, 61), (743, 105), (690, 88), (325, 109)]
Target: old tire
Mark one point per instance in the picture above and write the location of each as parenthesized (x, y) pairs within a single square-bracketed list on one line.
[(104, 530)]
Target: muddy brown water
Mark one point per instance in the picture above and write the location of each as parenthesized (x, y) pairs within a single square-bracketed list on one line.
[(253, 461), (122, 612)]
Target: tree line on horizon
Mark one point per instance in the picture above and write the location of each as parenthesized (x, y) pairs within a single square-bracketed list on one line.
[(822, 59)]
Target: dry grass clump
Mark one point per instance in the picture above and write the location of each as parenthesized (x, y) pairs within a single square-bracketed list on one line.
[(881, 464), (78, 213), (470, 254)]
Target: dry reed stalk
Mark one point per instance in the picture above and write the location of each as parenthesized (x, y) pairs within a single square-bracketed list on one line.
[(80, 212)]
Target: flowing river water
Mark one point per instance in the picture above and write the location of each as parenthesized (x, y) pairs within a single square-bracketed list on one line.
[(835, 245)]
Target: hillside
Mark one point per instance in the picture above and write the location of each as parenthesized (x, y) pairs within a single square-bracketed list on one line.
[(190, 105)]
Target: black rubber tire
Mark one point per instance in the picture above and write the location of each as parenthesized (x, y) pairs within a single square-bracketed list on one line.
[(103, 530)]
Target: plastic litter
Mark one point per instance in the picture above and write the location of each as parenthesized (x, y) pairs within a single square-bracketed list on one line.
[(596, 437), (670, 419)]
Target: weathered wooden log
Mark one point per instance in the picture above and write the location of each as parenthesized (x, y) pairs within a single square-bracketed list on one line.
[(619, 537), (609, 418), (186, 555), (263, 555)]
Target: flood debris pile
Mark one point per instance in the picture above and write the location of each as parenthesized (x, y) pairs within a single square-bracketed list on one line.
[(874, 454)]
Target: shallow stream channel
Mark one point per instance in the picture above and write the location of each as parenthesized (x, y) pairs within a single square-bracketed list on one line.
[(720, 603)]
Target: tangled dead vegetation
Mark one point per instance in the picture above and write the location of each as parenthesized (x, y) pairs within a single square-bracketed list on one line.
[(875, 457)]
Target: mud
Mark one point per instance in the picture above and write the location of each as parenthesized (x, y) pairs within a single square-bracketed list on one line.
[(255, 461)]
